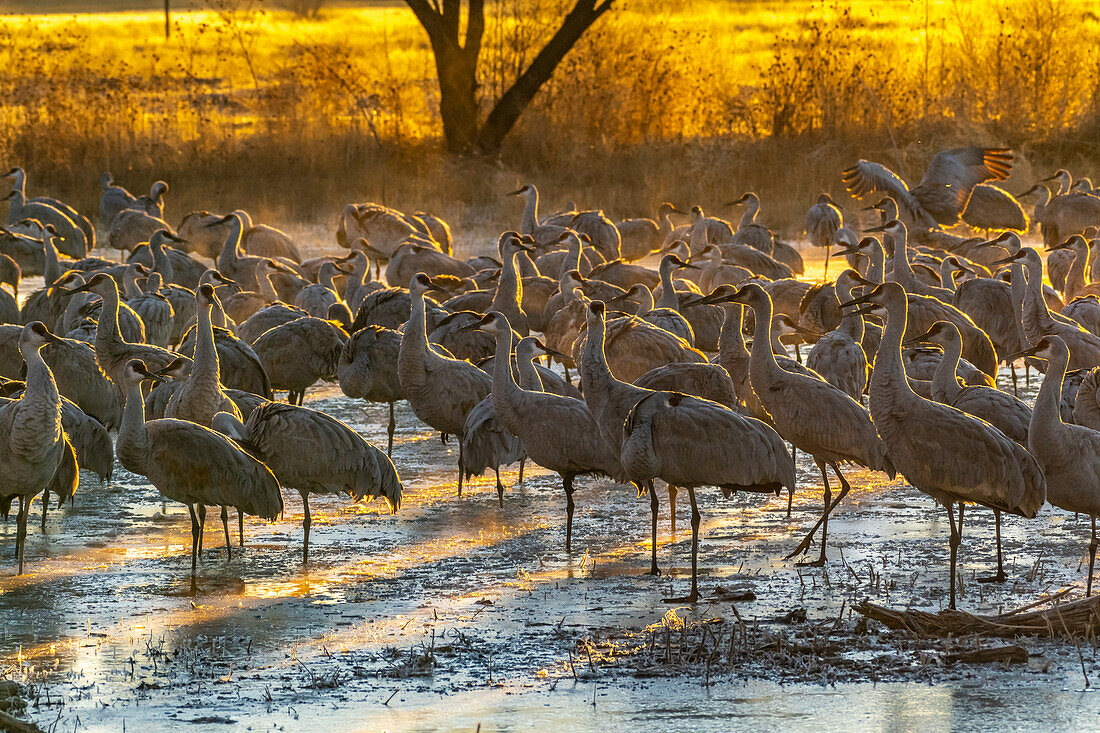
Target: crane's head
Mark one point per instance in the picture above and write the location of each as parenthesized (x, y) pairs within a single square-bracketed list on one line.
[(1076, 242), (885, 296), (673, 262), (524, 190), (1019, 255), (894, 228), (178, 368), (101, 284), (721, 294), (136, 372), (205, 295), (158, 189), (1050, 348), (493, 322), (941, 333), (666, 208), (163, 236), (35, 335)]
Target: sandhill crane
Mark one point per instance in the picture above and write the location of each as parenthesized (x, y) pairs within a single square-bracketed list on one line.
[(297, 354), (155, 311), (822, 222), (441, 390), (72, 240), (201, 397), (536, 375), (1069, 455), (233, 261), (206, 233), (1069, 212), (566, 439), (316, 299), (667, 318), (1037, 320), (418, 255), (687, 442), (32, 443), (191, 464), (838, 356), (175, 375), (174, 265), (151, 203), (508, 296), (942, 451), (945, 189), (487, 444), (749, 231), (315, 454), (1000, 409), (716, 271), (992, 207), (903, 269), (367, 370), (25, 249), (242, 305), (112, 351), (132, 227), (605, 237), (633, 346), (812, 414), (113, 199), (641, 237), (577, 255), (384, 228), (240, 366), (1077, 283), (989, 303), (81, 221), (1086, 406)]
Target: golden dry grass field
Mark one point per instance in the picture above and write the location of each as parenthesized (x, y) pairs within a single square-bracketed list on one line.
[(248, 104)]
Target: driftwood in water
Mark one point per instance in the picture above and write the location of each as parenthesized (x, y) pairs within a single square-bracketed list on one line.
[(1068, 620)]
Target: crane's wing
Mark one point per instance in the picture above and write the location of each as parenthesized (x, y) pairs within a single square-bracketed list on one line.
[(945, 189)]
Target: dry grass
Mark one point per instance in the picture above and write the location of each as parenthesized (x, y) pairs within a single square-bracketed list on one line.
[(247, 105)]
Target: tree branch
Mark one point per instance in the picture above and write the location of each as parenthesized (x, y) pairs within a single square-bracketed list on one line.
[(512, 103), (428, 17), (475, 26)]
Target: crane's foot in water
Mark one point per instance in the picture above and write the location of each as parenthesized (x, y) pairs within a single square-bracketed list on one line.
[(692, 597), (818, 563), (654, 571), (1000, 577)]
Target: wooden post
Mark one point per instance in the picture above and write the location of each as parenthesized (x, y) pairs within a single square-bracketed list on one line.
[(167, 18)]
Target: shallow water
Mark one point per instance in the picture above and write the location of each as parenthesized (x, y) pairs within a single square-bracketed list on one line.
[(102, 630)]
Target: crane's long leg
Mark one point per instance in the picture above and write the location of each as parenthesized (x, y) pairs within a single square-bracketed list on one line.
[(790, 490), (459, 464), (21, 530), (1092, 558), (202, 526), (240, 527), (500, 488), (196, 533), (567, 484), (389, 431), (521, 462), (306, 522), (1000, 577), (672, 491), (828, 251), (956, 539), (845, 487), (225, 526), (696, 518), (654, 509), (45, 506), (1015, 383)]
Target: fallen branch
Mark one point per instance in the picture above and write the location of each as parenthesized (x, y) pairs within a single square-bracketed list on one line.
[(11, 723), (1068, 620)]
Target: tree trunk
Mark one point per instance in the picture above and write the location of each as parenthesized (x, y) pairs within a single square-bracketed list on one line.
[(457, 73)]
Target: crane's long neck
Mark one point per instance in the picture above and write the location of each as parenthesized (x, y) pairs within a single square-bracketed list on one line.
[(1065, 183), (356, 281), (415, 351), (599, 382), (52, 269), (328, 279), (38, 421), (889, 384), (231, 250), (129, 283), (903, 269), (108, 333), (1034, 292), (731, 342), (1046, 417), (267, 290), (669, 299), (572, 260), (945, 384), (509, 292), (876, 265), (530, 221), (205, 369), (645, 302), (947, 278), (851, 321), (1075, 278), (762, 364), (132, 445), (15, 206), (162, 263), (1017, 290), (529, 378), (505, 389), (664, 226), (752, 206)]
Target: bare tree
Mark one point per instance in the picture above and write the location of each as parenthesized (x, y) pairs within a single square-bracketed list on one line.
[(456, 59)]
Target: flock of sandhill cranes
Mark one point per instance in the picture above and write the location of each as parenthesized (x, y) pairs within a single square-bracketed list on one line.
[(182, 358)]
